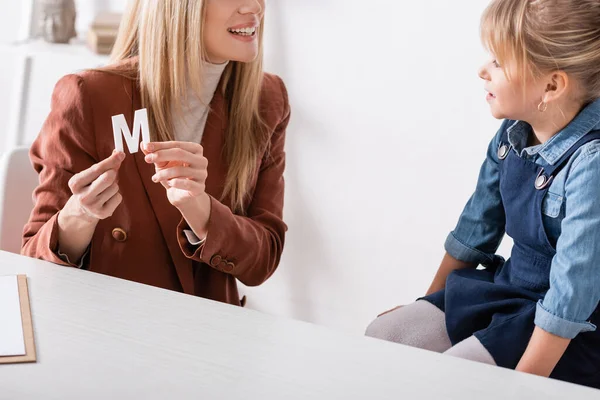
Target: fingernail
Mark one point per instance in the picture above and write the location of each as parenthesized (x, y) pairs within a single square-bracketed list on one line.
[(121, 156), (154, 179), (149, 158), (148, 146)]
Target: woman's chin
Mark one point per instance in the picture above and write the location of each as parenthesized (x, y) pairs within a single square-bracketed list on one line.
[(243, 54), (244, 58)]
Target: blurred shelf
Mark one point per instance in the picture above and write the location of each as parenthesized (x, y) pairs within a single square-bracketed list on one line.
[(77, 48)]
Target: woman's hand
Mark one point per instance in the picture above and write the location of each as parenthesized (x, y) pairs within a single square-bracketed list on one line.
[(181, 168), (95, 197), (96, 190)]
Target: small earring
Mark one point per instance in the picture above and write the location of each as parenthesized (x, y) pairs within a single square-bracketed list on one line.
[(542, 107)]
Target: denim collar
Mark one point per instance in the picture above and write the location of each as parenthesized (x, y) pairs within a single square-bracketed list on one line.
[(553, 150)]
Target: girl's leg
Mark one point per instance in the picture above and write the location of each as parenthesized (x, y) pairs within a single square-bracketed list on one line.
[(420, 324), (471, 349)]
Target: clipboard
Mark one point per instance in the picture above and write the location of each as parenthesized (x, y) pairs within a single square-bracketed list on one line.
[(30, 355)]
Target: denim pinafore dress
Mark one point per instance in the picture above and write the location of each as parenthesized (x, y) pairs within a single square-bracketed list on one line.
[(498, 305)]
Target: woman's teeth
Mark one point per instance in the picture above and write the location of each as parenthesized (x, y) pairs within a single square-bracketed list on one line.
[(243, 31)]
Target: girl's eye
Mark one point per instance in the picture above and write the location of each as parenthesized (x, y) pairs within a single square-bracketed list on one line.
[(496, 64)]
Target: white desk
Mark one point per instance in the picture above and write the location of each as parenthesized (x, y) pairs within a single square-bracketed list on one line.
[(104, 338)]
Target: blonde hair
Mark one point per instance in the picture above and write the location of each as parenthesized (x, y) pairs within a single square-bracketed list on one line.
[(541, 36), (166, 36)]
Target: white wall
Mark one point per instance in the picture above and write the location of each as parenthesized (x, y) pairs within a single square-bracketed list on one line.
[(14, 20), (389, 128)]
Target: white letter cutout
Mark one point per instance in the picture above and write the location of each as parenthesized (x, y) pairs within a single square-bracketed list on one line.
[(120, 129)]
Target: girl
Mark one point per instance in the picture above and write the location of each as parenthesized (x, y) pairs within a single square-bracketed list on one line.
[(201, 206), (540, 183)]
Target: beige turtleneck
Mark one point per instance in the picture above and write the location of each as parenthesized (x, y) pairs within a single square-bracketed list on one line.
[(189, 127)]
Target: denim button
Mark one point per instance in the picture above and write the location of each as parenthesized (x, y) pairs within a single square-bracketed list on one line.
[(503, 152), (541, 181)]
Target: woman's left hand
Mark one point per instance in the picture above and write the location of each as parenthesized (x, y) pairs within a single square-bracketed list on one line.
[(181, 168)]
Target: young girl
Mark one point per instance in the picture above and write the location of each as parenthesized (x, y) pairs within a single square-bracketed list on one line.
[(540, 183), (201, 206)]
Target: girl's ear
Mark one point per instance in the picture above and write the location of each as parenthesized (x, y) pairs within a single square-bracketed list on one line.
[(557, 85)]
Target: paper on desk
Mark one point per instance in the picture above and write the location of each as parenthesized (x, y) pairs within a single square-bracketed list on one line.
[(11, 325)]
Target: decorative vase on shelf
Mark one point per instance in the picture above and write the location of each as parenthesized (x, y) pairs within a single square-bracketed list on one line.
[(57, 20)]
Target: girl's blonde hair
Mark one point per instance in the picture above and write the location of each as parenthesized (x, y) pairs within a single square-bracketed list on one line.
[(541, 36), (166, 36)]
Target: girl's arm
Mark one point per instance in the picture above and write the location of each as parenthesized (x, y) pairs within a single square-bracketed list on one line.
[(574, 292), (448, 265), (480, 228), (543, 353)]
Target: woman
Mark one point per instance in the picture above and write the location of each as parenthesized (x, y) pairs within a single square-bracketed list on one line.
[(201, 206)]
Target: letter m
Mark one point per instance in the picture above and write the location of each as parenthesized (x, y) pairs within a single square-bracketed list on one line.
[(120, 130)]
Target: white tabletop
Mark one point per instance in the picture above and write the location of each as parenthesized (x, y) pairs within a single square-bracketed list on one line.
[(104, 338)]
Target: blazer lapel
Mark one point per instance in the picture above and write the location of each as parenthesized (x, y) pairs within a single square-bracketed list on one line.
[(167, 215), (213, 143)]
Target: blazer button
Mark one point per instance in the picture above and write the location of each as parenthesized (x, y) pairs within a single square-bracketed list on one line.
[(215, 260), (228, 267), (119, 235)]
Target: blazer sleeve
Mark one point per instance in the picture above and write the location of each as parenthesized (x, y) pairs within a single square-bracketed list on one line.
[(249, 247), (64, 147)]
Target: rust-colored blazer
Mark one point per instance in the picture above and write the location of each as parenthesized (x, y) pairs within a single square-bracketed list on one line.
[(143, 241)]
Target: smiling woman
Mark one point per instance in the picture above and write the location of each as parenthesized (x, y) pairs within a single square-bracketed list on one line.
[(229, 32), (202, 205)]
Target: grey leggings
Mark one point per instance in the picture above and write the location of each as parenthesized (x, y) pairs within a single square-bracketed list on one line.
[(423, 325)]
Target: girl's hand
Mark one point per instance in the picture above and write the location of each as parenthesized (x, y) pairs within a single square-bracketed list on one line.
[(543, 353)]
